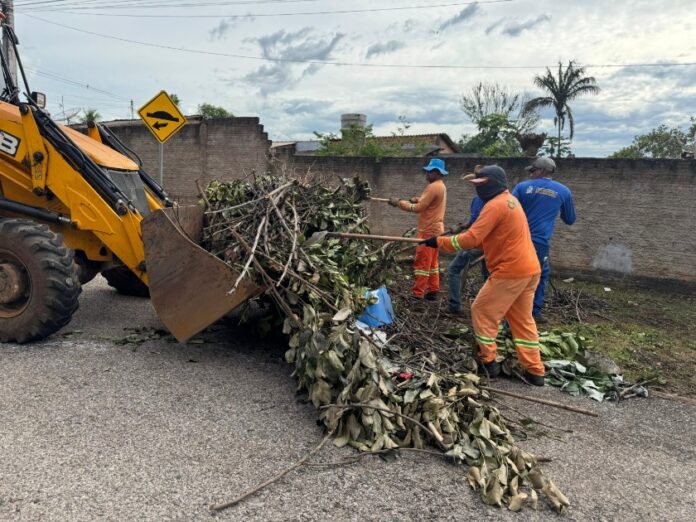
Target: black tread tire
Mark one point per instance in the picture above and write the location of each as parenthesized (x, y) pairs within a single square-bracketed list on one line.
[(55, 287), (126, 282)]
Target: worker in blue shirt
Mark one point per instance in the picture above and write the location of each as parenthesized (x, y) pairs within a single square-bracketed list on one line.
[(543, 199), (462, 260)]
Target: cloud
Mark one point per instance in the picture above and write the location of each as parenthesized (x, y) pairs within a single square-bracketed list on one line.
[(494, 26), (290, 49), (304, 106), (384, 48), (465, 14), (225, 25), (516, 28), (680, 76), (407, 26)]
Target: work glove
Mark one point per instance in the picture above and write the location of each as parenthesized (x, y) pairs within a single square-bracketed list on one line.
[(430, 242), (394, 202)]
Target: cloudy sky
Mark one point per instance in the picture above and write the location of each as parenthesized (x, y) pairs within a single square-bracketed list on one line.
[(300, 64)]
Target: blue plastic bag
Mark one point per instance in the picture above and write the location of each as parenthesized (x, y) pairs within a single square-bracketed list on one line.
[(379, 313)]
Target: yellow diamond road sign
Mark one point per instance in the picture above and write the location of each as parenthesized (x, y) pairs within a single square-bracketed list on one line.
[(162, 117)]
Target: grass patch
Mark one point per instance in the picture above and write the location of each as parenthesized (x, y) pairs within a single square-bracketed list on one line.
[(649, 333)]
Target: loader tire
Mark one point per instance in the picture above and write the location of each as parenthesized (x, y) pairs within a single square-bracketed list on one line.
[(126, 282), (39, 286)]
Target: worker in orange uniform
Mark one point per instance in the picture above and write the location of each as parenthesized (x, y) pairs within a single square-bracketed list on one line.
[(502, 230), (430, 207)]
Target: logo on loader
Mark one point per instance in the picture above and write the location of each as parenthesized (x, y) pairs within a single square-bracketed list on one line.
[(8, 143), (162, 117)]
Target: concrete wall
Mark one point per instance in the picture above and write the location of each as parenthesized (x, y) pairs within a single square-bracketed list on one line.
[(203, 150), (636, 219)]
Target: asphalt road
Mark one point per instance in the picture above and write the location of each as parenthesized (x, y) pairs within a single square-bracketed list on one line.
[(95, 430)]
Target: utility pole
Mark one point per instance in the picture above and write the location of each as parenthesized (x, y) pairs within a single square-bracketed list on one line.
[(131, 109), (8, 49)]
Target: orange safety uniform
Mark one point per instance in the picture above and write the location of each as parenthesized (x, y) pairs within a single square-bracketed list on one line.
[(502, 230), (430, 207)]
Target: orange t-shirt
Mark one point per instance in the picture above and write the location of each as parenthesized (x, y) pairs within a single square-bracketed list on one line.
[(503, 231), (430, 209)]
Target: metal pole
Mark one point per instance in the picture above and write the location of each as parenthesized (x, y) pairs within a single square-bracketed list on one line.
[(161, 158), (8, 50)]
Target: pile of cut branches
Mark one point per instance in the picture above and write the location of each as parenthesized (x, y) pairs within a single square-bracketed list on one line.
[(372, 394)]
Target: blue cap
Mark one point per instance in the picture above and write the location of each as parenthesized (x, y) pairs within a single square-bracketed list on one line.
[(438, 164)]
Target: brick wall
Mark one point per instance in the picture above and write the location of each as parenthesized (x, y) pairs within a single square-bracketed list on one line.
[(203, 150), (636, 220)]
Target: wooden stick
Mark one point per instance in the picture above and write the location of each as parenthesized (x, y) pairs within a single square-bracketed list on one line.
[(202, 193), (673, 397), (349, 235), (540, 401), (383, 200), (220, 507)]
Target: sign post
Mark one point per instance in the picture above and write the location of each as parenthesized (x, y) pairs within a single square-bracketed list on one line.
[(164, 119), (161, 163)]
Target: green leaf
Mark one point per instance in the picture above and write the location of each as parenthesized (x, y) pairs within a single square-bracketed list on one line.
[(410, 395)]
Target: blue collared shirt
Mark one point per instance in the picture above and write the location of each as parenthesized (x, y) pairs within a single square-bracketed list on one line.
[(543, 199)]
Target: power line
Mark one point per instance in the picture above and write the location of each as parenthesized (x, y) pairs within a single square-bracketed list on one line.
[(344, 64), (57, 5), (306, 13), (56, 77)]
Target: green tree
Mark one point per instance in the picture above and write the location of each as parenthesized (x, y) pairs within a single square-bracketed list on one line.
[(362, 142), (661, 142), (213, 112), (570, 83), (175, 98), (90, 116), (497, 136), (553, 148), (485, 99)]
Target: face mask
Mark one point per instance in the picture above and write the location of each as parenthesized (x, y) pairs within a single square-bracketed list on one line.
[(489, 190)]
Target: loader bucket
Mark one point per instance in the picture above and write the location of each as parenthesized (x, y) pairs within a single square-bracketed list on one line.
[(189, 287)]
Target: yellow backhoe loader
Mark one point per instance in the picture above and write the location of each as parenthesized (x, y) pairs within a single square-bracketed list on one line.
[(73, 206)]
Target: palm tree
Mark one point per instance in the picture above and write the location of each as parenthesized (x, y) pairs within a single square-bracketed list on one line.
[(561, 90), (90, 116)]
